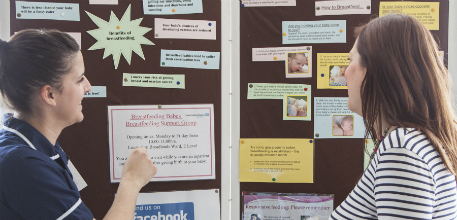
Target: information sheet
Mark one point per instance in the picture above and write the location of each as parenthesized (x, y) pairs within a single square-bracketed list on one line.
[(426, 12), (47, 10), (312, 32), (276, 160), (286, 206), (333, 119), (331, 70), (172, 7), (179, 139), (276, 90), (190, 59), (277, 53), (170, 81), (184, 29)]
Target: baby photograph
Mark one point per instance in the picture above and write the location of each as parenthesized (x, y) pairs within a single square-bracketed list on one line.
[(336, 76), (297, 106), (297, 63), (343, 125)]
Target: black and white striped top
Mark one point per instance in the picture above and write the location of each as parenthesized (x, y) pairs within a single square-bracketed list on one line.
[(407, 179)]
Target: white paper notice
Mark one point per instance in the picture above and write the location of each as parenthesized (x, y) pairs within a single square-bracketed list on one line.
[(195, 204), (343, 7), (96, 92), (172, 7), (276, 53), (184, 29), (103, 2), (262, 3), (77, 178), (179, 139)]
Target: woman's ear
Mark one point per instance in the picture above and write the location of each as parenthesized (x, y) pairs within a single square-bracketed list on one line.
[(47, 94)]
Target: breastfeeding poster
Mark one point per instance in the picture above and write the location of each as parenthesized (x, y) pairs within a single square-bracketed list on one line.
[(333, 119), (179, 139), (290, 206)]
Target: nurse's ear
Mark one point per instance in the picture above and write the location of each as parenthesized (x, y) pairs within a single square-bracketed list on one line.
[(47, 95)]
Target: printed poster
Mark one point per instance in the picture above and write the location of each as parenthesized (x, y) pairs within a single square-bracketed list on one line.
[(276, 160), (47, 10), (175, 7), (298, 60), (179, 139), (333, 119), (312, 32), (178, 205), (331, 70), (184, 29), (286, 206), (296, 98), (426, 12)]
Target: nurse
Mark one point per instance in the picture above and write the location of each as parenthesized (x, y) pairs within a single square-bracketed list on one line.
[(42, 80)]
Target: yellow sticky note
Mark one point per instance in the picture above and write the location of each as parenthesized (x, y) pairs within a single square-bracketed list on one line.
[(276, 160), (426, 12), (331, 68)]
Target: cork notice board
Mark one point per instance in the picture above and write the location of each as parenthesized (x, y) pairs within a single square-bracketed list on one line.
[(338, 163)]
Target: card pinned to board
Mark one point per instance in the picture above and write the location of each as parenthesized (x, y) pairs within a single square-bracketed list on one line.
[(312, 32), (426, 12), (119, 36), (190, 59), (184, 29), (175, 7), (47, 10)]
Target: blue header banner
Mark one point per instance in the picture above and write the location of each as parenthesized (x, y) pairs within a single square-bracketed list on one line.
[(175, 211)]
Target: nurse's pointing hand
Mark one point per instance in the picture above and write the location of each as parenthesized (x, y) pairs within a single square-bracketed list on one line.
[(138, 168)]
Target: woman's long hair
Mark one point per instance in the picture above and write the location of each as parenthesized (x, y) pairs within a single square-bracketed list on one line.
[(406, 84)]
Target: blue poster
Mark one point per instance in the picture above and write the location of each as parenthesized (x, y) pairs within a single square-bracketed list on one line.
[(299, 32), (190, 59), (175, 211)]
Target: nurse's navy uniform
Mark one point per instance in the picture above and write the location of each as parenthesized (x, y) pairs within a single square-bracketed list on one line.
[(35, 182)]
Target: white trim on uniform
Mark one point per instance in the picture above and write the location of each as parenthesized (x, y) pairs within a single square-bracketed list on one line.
[(20, 135), (69, 211), (55, 157)]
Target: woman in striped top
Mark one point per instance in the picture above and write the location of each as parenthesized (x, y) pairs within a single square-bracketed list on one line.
[(398, 84)]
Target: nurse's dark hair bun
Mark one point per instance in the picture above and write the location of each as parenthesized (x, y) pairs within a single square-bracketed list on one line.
[(30, 60)]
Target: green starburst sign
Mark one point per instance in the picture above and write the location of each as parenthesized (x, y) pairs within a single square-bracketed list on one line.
[(119, 36)]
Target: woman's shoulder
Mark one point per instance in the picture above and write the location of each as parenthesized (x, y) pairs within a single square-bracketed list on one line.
[(411, 146), (410, 139)]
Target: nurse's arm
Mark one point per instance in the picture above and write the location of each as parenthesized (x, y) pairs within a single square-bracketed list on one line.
[(138, 171)]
